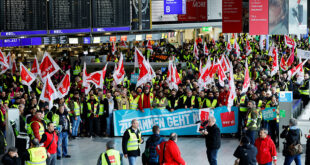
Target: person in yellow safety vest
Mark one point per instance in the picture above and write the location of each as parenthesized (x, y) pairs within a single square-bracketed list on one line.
[(160, 101), (111, 156), (97, 59), (202, 100), (172, 101), (188, 101), (36, 155), (108, 81), (242, 103), (146, 99), (36, 128), (77, 70), (92, 107), (211, 101), (238, 76), (123, 102), (131, 142), (274, 124), (253, 121), (133, 100), (102, 105), (304, 90), (75, 107)]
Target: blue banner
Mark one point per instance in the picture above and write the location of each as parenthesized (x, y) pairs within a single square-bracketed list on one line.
[(270, 113), (181, 121)]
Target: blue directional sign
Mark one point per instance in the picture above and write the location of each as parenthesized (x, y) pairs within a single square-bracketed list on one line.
[(174, 6), (286, 96)]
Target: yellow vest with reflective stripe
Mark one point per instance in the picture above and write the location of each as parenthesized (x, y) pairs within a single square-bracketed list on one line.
[(151, 98), (175, 103), (101, 109), (192, 100), (133, 141), (162, 101), (37, 155), (134, 102), (201, 101), (41, 130), (89, 109), (242, 102), (76, 70), (211, 105), (77, 109), (114, 157)]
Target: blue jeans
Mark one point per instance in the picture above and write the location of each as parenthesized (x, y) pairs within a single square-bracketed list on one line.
[(290, 159), (132, 160), (62, 144), (212, 155), (51, 160), (251, 135), (75, 126), (109, 120)]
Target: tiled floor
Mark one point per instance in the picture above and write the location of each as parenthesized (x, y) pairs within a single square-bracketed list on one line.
[(85, 151)]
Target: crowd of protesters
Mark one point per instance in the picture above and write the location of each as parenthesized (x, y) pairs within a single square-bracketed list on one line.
[(80, 114)]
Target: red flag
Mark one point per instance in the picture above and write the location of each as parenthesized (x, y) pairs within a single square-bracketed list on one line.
[(123, 44), (113, 50), (140, 60), (48, 66), (228, 46), (237, 48), (289, 42), (275, 63), (213, 42), (104, 71), (176, 76), (35, 66), (295, 70), (290, 59), (49, 93), (95, 78), (232, 89), (283, 64), (85, 76), (248, 48), (149, 45), (27, 77), (3, 60), (205, 49), (64, 86), (246, 83), (196, 51), (4, 68), (221, 75), (119, 73)]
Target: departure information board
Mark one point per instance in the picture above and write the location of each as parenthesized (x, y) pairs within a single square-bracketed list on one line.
[(110, 13), (69, 14), (23, 15)]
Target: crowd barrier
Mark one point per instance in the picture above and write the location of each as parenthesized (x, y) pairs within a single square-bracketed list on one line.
[(297, 108), (181, 121)]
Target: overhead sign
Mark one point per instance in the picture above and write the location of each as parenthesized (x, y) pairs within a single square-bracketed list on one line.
[(232, 16), (86, 40), (206, 29), (286, 96), (195, 11), (258, 17), (174, 6), (70, 31)]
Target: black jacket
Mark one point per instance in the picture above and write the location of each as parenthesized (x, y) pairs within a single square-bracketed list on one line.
[(213, 139), (125, 141), (7, 160), (308, 152), (247, 154), (105, 103), (291, 136)]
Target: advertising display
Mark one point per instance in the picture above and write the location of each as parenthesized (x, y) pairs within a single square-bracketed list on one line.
[(181, 121), (298, 17), (232, 16), (278, 16), (258, 17), (146, 14), (196, 11), (175, 6)]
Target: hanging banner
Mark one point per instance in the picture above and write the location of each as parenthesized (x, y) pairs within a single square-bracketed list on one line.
[(181, 121), (298, 16), (258, 17), (278, 17), (232, 16), (196, 11), (174, 6)]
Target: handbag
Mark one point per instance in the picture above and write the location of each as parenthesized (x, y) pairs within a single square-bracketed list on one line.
[(295, 149)]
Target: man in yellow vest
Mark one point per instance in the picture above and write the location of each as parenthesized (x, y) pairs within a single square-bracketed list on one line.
[(173, 101), (92, 107), (111, 156), (253, 121), (161, 101), (131, 142), (146, 99), (36, 128), (211, 101), (36, 155), (304, 90), (188, 101), (75, 107), (133, 100)]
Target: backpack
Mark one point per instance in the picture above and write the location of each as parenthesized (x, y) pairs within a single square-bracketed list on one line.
[(150, 152)]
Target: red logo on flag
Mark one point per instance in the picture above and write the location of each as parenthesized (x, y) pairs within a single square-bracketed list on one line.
[(204, 115)]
